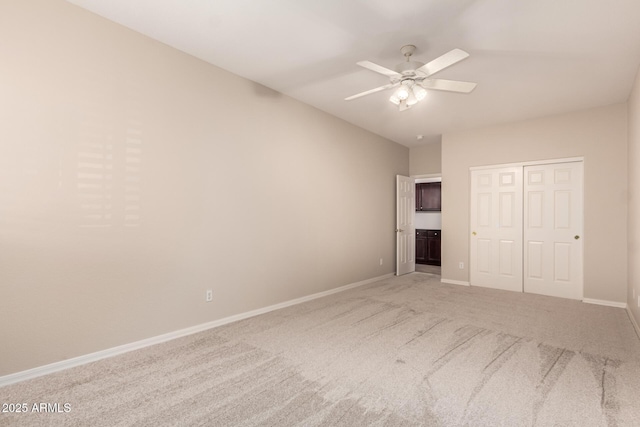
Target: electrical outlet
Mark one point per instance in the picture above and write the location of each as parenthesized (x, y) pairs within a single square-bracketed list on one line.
[(380, 261), (461, 265), (209, 295)]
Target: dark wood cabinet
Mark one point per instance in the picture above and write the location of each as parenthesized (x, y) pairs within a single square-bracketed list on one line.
[(433, 247), (421, 246), (428, 247), (428, 196)]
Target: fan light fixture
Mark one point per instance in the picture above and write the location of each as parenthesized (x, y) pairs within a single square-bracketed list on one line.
[(412, 100), (419, 92), (409, 93), (403, 91)]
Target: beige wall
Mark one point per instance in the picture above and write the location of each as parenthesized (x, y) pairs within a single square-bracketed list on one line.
[(600, 136), (426, 159), (633, 293), (134, 177)]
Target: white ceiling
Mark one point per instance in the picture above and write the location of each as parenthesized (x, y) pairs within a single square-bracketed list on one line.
[(530, 58)]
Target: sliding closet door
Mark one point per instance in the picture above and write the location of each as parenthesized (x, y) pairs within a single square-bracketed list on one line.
[(553, 215), (496, 228)]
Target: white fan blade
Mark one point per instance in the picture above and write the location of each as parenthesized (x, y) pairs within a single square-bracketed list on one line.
[(448, 85), (378, 68), (378, 89), (442, 62)]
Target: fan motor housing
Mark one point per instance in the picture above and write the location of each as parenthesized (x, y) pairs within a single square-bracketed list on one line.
[(408, 67)]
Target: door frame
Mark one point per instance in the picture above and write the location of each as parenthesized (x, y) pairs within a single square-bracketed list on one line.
[(432, 177), (529, 163)]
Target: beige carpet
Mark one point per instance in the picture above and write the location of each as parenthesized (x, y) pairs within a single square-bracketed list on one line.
[(431, 269), (405, 351)]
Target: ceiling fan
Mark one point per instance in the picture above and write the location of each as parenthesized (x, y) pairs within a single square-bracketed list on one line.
[(412, 78)]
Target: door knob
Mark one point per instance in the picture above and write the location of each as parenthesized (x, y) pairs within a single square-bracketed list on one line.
[(474, 233), (576, 237), (399, 230)]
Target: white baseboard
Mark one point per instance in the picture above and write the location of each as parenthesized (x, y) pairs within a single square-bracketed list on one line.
[(633, 321), (455, 282), (605, 302), (110, 352)]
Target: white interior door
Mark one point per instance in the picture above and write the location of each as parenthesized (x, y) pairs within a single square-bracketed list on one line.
[(405, 227), (496, 228), (553, 229)]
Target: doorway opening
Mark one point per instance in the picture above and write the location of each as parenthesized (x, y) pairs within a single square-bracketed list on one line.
[(419, 224)]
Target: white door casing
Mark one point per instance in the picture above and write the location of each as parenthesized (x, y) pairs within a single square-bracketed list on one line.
[(496, 228), (553, 206), (405, 227)]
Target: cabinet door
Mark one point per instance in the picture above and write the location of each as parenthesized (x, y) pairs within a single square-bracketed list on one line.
[(430, 196), (434, 249), (421, 247), (418, 197)]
